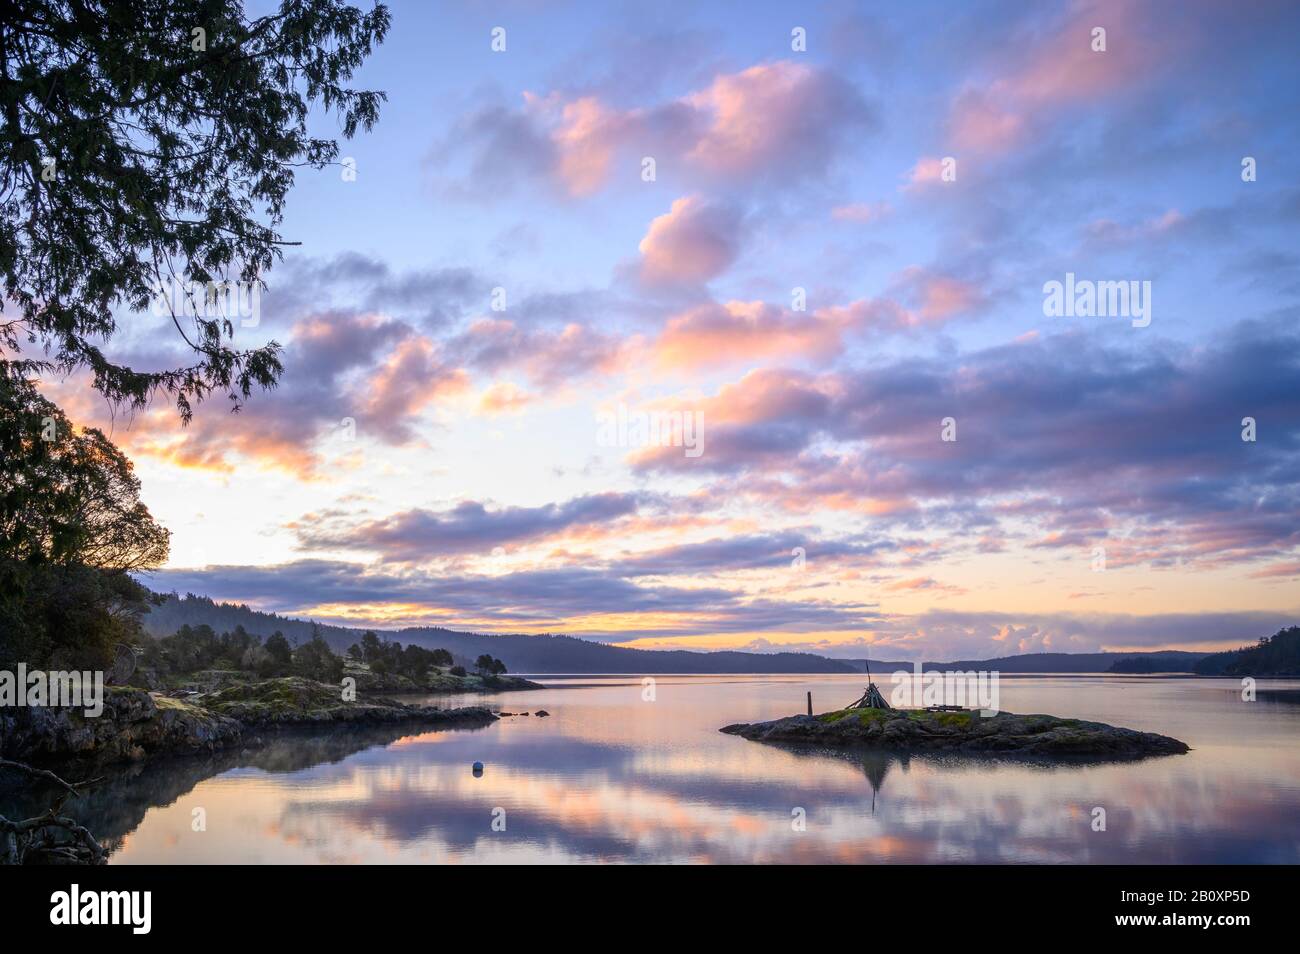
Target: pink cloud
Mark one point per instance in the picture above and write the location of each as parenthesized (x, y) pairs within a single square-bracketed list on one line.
[(546, 356), (942, 297), (380, 372), (692, 243), (933, 297), (1278, 571), (979, 123), (588, 136), (410, 378), (769, 394), (778, 118), (860, 212), (1064, 66), (927, 172), (759, 396), (769, 116), (718, 334), (922, 583), (747, 330), (1109, 231), (1060, 69)]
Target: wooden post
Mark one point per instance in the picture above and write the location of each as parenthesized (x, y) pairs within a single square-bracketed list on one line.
[(810, 702)]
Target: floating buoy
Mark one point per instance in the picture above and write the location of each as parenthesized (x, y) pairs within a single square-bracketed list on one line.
[(478, 768)]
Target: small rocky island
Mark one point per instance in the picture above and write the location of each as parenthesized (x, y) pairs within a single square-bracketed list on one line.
[(967, 732)]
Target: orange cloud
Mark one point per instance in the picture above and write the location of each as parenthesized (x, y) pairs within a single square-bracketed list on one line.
[(749, 330), (733, 332), (503, 398)]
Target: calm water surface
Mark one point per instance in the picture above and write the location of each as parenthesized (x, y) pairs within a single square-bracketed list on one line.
[(610, 777)]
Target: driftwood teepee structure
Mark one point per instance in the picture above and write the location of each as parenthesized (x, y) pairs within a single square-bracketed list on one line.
[(871, 698)]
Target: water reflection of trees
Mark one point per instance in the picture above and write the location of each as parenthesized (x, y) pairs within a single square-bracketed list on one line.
[(115, 806)]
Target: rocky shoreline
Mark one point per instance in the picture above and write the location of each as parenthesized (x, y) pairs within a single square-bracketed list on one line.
[(912, 730), (137, 724), (436, 682)]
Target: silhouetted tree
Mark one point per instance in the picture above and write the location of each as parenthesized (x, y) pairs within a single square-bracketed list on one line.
[(315, 660), (280, 651), (372, 648), (489, 666), (143, 141), (71, 528), (68, 498)]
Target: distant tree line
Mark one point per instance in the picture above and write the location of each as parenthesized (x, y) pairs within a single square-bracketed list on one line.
[(175, 610), (1276, 655), (414, 662), (193, 648)]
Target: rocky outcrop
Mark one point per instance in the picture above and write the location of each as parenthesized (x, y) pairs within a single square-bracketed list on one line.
[(136, 724), (907, 730), (367, 682), (438, 681), (294, 701)]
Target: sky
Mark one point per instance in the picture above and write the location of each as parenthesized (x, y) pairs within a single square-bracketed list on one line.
[(821, 236)]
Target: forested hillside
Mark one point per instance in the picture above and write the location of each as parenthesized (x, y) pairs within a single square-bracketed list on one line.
[(1276, 655), (522, 653)]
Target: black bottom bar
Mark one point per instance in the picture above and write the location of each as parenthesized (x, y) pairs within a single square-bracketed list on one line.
[(332, 904)]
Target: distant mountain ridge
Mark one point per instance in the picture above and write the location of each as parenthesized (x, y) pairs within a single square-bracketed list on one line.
[(520, 652), (1163, 660), (524, 653)]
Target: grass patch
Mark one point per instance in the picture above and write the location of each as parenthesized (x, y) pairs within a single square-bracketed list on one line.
[(865, 716), (167, 702), (954, 720), (949, 720)]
